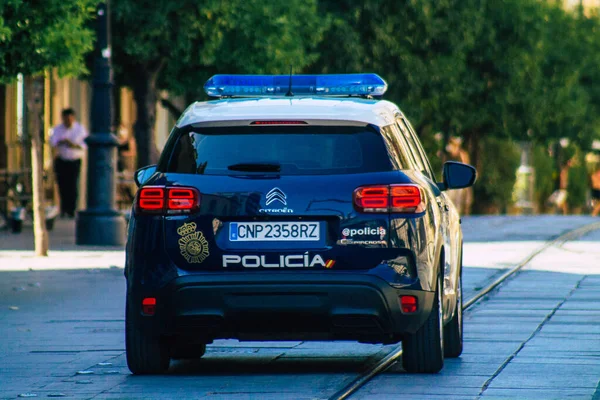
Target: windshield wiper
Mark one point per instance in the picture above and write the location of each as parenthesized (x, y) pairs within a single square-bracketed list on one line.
[(255, 167)]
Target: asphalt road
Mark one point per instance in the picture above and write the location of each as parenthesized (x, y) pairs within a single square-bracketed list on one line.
[(537, 336)]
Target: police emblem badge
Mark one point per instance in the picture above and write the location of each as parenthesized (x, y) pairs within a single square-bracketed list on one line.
[(192, 244)]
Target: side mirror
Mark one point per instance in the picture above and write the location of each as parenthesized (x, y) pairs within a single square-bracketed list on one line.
[(458, 175), (143, 174)]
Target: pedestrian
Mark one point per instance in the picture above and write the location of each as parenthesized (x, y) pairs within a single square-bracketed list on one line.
[(126, 149), (596, 191), (68, 141), (126, 163), (462, 198), (560, 196)]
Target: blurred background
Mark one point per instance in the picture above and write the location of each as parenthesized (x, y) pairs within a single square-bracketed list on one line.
[(510, 86)]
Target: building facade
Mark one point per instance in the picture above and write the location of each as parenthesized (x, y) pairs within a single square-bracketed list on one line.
[(59, 93)]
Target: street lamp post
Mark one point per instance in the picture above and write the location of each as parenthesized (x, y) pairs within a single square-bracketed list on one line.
[(101, 224)]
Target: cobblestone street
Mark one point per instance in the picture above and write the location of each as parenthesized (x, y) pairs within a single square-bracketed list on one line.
[(535, 337)]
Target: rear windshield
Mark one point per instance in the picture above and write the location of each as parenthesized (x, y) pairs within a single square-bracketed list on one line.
[(295, 150)]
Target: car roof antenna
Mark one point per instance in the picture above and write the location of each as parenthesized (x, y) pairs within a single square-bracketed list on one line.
[(289, 92)]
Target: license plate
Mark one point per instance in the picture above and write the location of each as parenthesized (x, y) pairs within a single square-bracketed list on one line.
[(273, 231)]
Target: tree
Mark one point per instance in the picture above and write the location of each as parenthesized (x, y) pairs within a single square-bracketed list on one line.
[(35, 36), (176, 46), (505, 69), (419, 47)]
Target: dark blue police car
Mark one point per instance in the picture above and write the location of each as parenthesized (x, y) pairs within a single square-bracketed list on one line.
[(299, 208)]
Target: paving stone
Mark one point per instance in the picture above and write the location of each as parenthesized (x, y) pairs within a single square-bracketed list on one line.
[(494, 348), (85, 323), (456, 367), (539, 394), (570, 329), (497, 337), (405, 396), (521, 378), (420, 388), (563, 358), (551, 344)]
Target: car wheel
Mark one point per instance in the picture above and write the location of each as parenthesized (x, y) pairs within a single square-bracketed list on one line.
[(188, 351), (453, 331), (146, 353), (423, 350)]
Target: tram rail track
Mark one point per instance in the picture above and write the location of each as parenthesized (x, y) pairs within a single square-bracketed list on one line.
[(394, 355)]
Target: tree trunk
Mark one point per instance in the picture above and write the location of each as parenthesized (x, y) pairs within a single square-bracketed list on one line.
[(35, 96), (145, 95), (3, 147)]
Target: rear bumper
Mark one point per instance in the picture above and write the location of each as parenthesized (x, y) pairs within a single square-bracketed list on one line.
[(283, 306)]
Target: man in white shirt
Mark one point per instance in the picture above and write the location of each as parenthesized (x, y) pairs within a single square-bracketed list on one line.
[(68, 140)]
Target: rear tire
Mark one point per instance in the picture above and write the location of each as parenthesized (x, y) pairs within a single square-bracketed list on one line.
[(423, 351), (453, 331), (147, 354)]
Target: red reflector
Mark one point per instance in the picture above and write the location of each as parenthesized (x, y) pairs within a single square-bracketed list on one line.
[(149, 306), (149, 301), (408, 304), (278, 123)]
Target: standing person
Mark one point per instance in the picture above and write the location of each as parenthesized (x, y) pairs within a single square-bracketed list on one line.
[(68, 140), (126, 164), (560, 196), (462, 198), (596, 191), (126, 150)]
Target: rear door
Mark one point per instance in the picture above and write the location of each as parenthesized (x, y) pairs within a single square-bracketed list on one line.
[(279, 197)]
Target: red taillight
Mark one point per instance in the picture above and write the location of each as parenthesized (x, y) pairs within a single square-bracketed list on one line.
[(388, 198), (278, 123), (372, 198), (405, 198), (151, 199), (167, 200), (149, 306), (408, 304), (181, 199)]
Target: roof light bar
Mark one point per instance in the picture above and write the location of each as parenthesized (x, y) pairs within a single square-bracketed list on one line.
[(302, 85)]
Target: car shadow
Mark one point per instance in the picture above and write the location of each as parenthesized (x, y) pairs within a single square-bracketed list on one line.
[(261, 365)]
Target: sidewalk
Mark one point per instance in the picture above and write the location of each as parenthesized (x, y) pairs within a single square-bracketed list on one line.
[(16, 251)]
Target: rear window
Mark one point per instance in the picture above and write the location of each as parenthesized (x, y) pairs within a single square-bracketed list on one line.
[(297, 150)]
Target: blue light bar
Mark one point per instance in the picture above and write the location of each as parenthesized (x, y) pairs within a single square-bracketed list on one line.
[(302, 85)]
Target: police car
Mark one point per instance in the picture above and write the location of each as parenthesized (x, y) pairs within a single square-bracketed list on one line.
[(294, 208)]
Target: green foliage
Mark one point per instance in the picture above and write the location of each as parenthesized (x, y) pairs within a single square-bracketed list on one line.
[(545, 175), (497, 175), (517, 69), (39, 34), (186, 41), (178, 45), (579, 183)]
